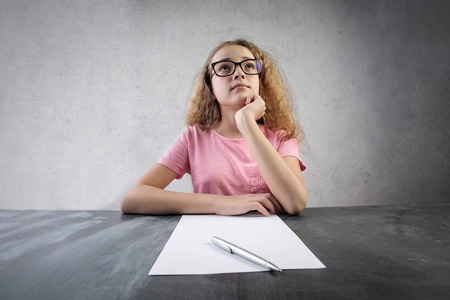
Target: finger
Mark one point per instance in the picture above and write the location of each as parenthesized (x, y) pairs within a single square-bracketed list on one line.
[(264, 201), (259, 98), (275, 202), (257, 206), (267, 203)]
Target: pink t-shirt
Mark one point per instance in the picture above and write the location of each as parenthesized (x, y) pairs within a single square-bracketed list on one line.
[(223, 166)]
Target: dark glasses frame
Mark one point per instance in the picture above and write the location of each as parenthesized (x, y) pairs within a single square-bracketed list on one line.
[(238, 64)]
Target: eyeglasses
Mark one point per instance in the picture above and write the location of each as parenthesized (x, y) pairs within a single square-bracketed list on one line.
[(226, 68)]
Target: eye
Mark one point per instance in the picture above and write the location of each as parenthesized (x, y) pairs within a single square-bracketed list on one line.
[(224, 67), (250, 66)]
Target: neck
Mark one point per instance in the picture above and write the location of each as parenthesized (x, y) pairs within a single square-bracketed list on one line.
[(227, 126)]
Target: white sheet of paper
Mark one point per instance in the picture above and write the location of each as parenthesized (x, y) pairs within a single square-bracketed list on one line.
[(190, 250)]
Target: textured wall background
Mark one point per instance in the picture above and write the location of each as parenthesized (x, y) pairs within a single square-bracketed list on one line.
[(93, 92)]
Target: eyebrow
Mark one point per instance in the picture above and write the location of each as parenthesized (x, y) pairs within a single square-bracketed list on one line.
[(243, 57)]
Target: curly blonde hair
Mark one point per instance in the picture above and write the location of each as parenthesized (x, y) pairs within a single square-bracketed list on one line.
[(204, 110)]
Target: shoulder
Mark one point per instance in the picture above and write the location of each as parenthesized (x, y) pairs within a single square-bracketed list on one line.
[(193, 131), (279, 139), (275, 135), (195, 135)]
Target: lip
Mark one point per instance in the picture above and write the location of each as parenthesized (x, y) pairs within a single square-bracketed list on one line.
[(240, 86)]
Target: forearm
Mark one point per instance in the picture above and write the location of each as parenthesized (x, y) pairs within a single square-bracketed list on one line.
[(285, 185), (146, 199)]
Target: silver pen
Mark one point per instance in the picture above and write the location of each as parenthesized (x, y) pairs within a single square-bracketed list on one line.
[(231, 248)]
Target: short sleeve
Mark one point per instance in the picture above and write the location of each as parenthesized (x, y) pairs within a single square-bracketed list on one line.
[(176, 157), (289, 147)]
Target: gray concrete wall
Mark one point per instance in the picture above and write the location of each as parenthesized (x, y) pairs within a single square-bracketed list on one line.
[(93, 92)]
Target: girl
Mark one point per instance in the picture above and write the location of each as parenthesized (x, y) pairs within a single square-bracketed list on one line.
[(240, 145)]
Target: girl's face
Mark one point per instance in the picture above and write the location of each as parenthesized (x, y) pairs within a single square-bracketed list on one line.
[(232, 91)]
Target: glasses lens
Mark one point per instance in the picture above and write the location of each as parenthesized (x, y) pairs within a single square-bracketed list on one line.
[(251, 67), (224, 68)]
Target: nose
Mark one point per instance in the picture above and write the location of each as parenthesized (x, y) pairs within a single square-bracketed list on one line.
[(238, 72)]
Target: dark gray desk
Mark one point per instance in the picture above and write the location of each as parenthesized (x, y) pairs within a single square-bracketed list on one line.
[(388, 252)]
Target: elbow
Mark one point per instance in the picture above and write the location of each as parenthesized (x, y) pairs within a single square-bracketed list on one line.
[(124, 208), (295, 209), (296, 205), (126, 205), (294, 212)]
